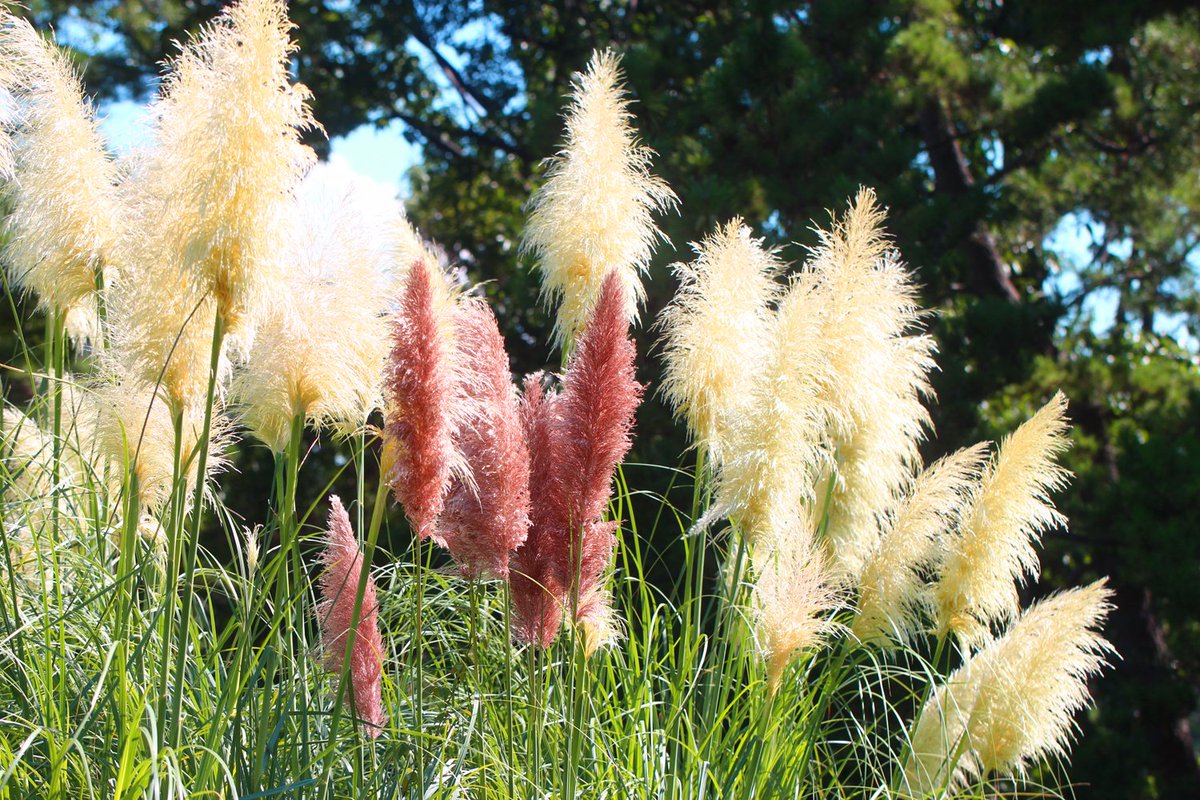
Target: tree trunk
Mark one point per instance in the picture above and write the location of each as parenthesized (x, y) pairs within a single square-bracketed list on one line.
[(952, 177)]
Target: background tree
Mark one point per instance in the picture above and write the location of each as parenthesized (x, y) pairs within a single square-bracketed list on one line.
[(1040, 161)]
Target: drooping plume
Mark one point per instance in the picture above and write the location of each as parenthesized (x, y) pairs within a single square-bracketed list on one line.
[(343, 564), (424, 398), (595, 213), (576, 440), (894, 597), (877, 379), (1012, 703), (1009, 511), (64, 218), (717, 333), (135, 430), (537, 579), (486, 514), (322, 345), (792, 594)]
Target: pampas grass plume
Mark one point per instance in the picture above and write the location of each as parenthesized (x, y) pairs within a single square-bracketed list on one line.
[(343, 563), (321, 347), (716, 332), (595, 212), (486, 514), (1010, 509), (65, 215), (1012, 703), (893, 594), (424, 398)]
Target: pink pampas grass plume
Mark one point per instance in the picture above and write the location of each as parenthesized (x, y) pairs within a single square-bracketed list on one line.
[(486, 514), (576, 440), (422, 388), (536, 579), (342, 560), (600, 396)]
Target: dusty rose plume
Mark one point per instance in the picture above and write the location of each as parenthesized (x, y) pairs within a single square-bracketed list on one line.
[(576, 441), (421, 389), (537, 583), (486, 516), (335, 612)]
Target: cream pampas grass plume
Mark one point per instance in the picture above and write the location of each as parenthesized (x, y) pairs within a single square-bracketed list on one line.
[(717, 333), (1009, 511), (486, 514), (321, 346), (894, 597), (424, 397), (343, 564), (1013, 702), (877, 379), (135, 431), (793, 596), (64, 217), (227, 153), (595, 213), (576, 440), (776, 449)]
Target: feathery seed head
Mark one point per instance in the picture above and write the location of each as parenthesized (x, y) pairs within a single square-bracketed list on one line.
[(893, 595), (226, 155), (1013, 702), (321, 348), (1009, 511), (486, 514), (537, 577), (343, 563), (717, 332), (595, 213), (424, 397), (793, 596), (64, 219)]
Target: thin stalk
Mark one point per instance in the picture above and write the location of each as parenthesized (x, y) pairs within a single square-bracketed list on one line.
[(417, 640), (508, 686), (193, 544)]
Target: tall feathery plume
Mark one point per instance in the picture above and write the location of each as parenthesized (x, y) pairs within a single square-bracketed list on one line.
[(716, 333), (8, 119), (1010, 509), (208, 198), (877, 379), (228, 152), (1012, 703), (576, 441), (793, 596), (424, 398), (595, 213), (776, 450), (537, 582), (322, 345), (65, 215), (343, 563), (600, 396), (486, 514), (894, 596)]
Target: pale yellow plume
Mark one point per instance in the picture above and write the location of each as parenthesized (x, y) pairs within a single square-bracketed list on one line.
[(877, 380), (226, 153), (717, 333), (793, 596), (894, 598), (1009, 512), (65, 217), (320, 351), (1013, 702), (595, 213)]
